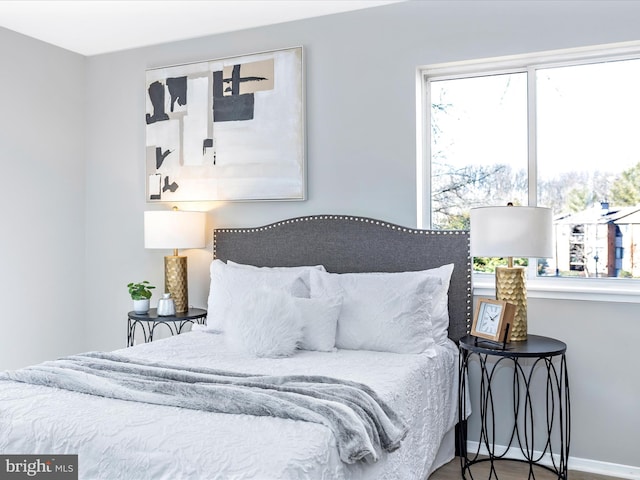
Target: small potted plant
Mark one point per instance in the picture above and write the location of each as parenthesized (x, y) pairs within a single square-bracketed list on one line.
[(140, 294)]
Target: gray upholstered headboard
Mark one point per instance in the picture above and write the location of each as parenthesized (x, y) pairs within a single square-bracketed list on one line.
[(355, 244)]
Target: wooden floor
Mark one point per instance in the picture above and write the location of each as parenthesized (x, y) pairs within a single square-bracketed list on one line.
[(507, 470)]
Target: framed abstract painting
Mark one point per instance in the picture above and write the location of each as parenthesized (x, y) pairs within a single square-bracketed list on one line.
[(230, 129)]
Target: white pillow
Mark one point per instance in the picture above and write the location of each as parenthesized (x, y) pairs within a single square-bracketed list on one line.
[(440, 307), (265, 324), (230, 285), (284, 269), (381, 311), (319, 319), (302, 271)]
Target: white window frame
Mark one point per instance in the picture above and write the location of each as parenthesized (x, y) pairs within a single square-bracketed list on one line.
[(594, 289)]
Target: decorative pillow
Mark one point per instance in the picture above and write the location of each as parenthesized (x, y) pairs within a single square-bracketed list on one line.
[(230, 285), (319, 320), (381, 311), (265, 324)]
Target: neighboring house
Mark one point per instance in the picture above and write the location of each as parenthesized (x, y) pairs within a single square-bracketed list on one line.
[(598, 242)]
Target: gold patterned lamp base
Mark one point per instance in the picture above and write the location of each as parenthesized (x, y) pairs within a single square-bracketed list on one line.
[(510, 287), (175, 281)]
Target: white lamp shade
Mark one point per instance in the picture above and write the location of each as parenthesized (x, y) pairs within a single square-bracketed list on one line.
[(174, 229), (511, 232)]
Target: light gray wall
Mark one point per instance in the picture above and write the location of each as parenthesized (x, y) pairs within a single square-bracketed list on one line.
[(603, 374), (42, 283), (361, 107)]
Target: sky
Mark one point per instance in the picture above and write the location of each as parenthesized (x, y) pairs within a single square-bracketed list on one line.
[(587, 118)]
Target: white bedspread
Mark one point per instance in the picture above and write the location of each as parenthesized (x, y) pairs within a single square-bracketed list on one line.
[(118, 439)]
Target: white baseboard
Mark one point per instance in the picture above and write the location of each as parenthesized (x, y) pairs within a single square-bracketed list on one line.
[(604, 468), (580, 464)]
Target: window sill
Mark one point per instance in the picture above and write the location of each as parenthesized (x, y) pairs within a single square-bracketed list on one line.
[(589, 289)]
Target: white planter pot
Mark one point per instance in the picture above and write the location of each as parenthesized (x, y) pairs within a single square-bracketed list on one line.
[(141, 306)]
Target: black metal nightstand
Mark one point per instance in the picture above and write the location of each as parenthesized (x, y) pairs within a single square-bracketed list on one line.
[(546, 444), (149, 321)]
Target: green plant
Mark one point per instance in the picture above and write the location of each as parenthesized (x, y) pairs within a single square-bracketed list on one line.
[(140, 291)]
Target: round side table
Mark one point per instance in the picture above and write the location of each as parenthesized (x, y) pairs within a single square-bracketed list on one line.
[(525, 358), (150, 320)]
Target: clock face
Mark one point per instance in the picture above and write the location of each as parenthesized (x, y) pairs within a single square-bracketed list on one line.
[(489, 318)]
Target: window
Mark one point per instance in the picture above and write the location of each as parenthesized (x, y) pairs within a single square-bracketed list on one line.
[(557, 130)]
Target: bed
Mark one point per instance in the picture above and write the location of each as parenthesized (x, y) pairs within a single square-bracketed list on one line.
[(115, 437)]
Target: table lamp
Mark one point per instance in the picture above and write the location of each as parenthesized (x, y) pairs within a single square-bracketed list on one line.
[(512, 232), (175, 229)]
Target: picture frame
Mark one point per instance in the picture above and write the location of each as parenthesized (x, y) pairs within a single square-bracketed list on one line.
[(230, 129), (492, 320)]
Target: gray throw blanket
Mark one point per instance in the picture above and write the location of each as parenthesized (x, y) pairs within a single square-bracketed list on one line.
[(363, 424)]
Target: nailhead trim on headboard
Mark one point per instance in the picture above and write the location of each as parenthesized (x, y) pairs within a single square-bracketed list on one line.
[(340, 217)]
